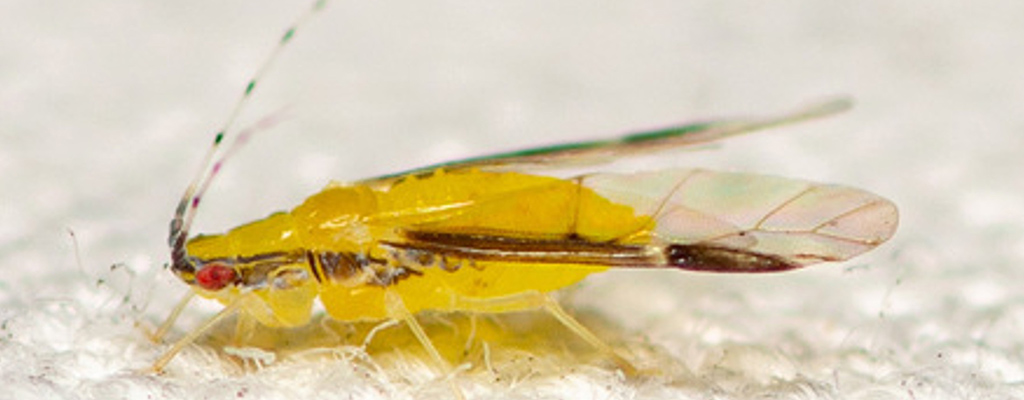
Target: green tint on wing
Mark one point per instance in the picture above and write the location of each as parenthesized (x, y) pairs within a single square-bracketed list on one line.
[(600, 151)]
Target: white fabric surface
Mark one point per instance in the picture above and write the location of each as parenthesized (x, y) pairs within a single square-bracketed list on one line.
[(107, 106)]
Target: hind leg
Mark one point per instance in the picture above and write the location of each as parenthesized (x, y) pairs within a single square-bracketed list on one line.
[(533, 300)]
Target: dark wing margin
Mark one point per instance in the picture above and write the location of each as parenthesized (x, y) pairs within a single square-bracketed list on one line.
[(601, 151), (700, 220), (472, 247), (495, 247), (711, 258)]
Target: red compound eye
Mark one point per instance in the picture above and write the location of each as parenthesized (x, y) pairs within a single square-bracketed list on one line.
[(215, 276)]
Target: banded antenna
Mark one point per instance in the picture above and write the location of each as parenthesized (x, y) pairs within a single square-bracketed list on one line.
[(185, 212)]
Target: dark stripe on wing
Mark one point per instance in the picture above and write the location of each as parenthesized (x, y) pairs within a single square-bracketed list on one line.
[(575, 250), (712, 258), (489, 247)]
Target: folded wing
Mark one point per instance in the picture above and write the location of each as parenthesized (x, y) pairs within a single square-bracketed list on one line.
[(689, 219)]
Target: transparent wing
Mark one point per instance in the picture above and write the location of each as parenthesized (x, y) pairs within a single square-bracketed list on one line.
[(689, 219), (600, 151), (730, 219)]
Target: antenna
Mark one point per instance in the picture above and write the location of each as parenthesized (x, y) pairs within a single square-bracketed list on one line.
[(185, 212)]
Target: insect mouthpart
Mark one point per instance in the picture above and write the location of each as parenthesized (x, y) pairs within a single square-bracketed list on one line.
[(215, 276)]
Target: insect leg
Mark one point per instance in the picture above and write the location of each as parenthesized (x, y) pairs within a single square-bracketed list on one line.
[(192, 336), (532, 300), (245, 327), (377, 328), (576, 327), (169, 322), (396, 310)]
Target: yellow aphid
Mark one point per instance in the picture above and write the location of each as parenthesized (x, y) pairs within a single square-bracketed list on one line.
[(481, 236)]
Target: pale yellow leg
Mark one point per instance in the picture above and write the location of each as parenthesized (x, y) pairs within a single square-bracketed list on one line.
[(377, 328), (169, 322), (192, 336), (396, 310), (532, 300), (245, 328), (466, 347)]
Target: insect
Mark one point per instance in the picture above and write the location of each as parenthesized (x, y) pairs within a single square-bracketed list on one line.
[(483, 236)]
